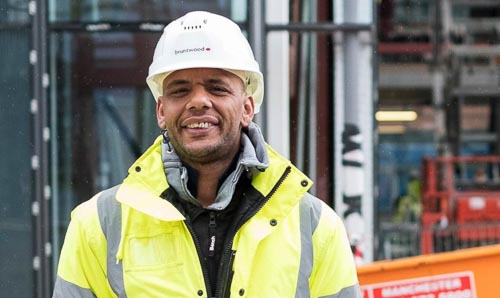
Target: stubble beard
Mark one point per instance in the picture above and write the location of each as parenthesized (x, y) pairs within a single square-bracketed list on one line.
[(209, 154)]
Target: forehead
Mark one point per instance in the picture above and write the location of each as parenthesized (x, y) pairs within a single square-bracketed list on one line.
[(201, 74)]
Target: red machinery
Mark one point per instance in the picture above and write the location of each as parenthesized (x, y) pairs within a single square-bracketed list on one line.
[(460, 203)]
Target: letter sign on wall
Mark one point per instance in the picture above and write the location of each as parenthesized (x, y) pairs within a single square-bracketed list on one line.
[(454, 285)]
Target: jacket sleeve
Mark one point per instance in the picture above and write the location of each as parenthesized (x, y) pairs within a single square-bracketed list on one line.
[(334, 272), (82, 264)]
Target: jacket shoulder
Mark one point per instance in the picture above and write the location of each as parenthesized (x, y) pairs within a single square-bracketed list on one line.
[(101, 207)]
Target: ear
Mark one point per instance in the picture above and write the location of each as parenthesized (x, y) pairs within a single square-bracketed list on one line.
[(248, 111), (160, 114)]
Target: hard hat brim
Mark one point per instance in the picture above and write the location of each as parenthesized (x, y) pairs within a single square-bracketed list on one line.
[(255, 82)]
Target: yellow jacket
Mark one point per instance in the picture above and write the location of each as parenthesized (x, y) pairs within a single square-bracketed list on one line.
[(129, 242)]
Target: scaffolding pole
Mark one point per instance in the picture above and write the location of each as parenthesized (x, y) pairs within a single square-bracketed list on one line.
[(40, 160), (354, 98)]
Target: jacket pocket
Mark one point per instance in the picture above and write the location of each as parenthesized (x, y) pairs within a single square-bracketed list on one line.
[(152, 252)]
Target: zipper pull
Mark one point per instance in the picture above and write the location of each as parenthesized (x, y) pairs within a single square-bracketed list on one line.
[(211, 233)]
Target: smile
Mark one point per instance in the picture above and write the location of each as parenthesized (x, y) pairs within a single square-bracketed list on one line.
[(199, 125)]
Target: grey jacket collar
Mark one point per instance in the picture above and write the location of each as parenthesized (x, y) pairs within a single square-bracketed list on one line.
[(253, 158)]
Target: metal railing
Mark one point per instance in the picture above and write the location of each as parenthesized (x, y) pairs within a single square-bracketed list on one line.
[(400, 240)]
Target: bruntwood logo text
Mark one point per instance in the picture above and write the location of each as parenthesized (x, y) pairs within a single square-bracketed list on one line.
[(202, 49)]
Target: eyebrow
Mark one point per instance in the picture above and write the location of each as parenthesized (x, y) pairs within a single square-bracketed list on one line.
[(178, 82), (216, 81)]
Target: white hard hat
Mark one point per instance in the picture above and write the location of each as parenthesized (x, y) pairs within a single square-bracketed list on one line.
[(202, 39)]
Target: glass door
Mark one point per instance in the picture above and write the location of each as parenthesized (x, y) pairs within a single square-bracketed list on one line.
[(103, 115)]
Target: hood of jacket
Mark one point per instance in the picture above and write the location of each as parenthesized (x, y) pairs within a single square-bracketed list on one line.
[(252, 158)]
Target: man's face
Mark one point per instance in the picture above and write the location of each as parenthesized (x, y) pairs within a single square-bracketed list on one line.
[(203, 110)]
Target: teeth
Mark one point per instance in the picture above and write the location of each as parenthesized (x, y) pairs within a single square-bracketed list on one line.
[(199, 125)]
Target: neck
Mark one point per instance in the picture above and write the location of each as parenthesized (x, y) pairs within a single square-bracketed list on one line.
[(209, 176)]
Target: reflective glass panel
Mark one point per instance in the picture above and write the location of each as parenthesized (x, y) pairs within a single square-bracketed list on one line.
[(16, 244), (131, 10), (14, 12), (103, 115)]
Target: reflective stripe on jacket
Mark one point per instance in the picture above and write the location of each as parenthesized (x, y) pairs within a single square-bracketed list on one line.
[(128, 242)]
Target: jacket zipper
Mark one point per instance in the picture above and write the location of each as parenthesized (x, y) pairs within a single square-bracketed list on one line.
[(227, 276), (203, 265), (225, 270)]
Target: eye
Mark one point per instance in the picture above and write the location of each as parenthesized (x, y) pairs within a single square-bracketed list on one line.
[(219, 90), (177, 92)]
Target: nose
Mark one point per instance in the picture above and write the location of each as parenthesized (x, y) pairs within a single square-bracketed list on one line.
[(200, 99)]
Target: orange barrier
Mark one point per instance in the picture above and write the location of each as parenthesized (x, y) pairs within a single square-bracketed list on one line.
[(467, 273)]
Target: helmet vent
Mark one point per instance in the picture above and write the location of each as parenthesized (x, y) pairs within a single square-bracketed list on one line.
[(192, 27), (186, 27)]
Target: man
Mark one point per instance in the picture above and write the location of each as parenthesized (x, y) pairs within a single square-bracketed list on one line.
[(209, 210)]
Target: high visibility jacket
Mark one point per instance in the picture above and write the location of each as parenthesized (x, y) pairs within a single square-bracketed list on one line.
[(127, 241)]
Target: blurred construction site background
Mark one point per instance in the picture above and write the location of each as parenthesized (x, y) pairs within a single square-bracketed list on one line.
[(392, 107)]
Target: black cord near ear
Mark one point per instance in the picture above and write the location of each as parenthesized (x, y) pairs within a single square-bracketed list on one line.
[(166, 140)]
